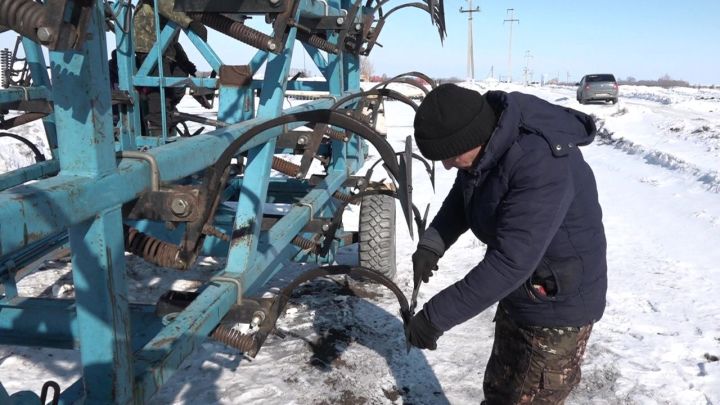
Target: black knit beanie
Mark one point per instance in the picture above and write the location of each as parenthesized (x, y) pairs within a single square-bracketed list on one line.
[(452, 120)]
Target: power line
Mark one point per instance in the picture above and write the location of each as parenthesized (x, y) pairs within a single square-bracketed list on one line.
[(471, 59), (527, 71), (511, 20)]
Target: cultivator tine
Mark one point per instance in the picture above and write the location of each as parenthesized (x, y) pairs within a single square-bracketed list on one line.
[(435, 8), (429, 167), (39, 157), (373, 92), (263, 313), (405, 193), (354, 271), (403, 77), (421, 220), (216, 175), (314, 139), (437, 12), (432, 175)]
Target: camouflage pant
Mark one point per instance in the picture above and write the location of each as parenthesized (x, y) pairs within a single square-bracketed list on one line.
[(150, 97), (533, 365)]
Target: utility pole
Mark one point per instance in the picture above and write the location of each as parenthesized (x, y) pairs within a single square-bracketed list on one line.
[(511, 20), (471, 60), (526, 71)]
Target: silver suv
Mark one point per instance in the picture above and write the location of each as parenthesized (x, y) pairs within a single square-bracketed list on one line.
[(602, 87)]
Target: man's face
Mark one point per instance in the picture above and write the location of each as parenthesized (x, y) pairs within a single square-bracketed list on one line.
[(463, 161)]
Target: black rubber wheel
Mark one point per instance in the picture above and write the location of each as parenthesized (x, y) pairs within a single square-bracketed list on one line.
[(613, 101), (376, 234)]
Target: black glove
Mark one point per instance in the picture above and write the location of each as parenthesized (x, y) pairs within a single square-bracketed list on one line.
[(198, 28), (189, 68), (182, 60), (424, 262), (422, 333)]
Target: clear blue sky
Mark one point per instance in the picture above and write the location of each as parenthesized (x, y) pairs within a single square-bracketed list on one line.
[(641, 38)]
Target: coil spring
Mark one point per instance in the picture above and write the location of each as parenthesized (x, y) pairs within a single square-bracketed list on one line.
[(344, 197), (151, 249), (318, 42), (336, 134), (234, 338), (303, 243), (5, 67), (23, 16), (212, 231), (285, 167), (238, 31)]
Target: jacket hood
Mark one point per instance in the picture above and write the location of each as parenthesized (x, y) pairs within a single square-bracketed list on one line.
[(520, 113)]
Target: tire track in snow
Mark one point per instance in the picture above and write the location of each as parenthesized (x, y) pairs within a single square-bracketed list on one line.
[(709, 178)]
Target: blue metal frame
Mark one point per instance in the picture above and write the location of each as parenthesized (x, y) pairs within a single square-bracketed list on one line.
[(126, 353)]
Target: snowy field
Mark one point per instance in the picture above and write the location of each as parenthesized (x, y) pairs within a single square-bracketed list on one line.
[(657, 162)]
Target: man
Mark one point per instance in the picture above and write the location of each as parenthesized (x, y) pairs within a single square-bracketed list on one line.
[(175, 61), (524, 190)]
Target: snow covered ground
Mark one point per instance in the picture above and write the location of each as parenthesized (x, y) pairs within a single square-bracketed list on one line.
[(657, 161)]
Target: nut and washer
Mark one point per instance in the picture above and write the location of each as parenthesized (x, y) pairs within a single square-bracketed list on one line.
[(257, 319), (180, 207), (44, 34)]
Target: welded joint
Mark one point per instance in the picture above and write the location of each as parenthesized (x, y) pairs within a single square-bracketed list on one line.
[(154, 168), (232, 280), (305, 204)]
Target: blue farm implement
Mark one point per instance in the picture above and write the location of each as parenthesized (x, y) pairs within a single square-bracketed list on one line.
[(115, 182)]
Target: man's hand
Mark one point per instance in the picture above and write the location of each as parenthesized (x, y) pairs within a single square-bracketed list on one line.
[(198, 28), (422, 333), (424, 262), (188, 67)]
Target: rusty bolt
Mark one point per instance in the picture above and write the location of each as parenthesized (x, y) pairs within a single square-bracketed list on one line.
[(44, 34), (180, 207), (257, 319), (340, 20)]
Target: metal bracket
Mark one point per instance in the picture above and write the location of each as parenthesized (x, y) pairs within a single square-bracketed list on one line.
[(312, 210), (154, 168), (235, 75), (176, 204), (311, 146), (231, 280)]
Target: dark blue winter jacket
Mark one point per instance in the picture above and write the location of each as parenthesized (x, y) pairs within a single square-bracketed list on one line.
[(532, 199)]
